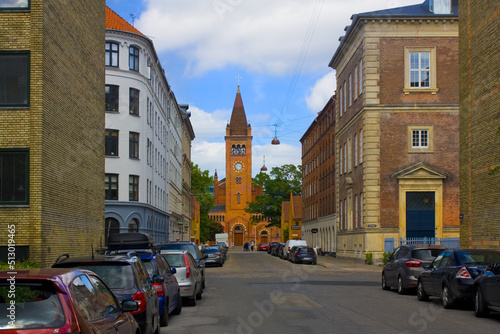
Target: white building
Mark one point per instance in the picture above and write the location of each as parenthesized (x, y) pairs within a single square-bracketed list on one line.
[(142, 137)]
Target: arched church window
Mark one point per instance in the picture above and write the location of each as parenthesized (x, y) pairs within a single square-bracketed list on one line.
[(238, 228)]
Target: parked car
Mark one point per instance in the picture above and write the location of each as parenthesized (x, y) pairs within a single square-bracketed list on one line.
[(277, 249), (486, 291), (223, 250), (195, 252), (290, 243), (143, 244), (215, 256), (127, 277), (451, 275), (187, 272), (271, 245), (63, 301), (263, 246), (405, 265), (301, 254)]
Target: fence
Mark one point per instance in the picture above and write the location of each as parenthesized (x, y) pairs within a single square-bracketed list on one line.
[(390, 243)]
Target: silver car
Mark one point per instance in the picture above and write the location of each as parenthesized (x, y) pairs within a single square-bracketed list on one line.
[(188, 274)]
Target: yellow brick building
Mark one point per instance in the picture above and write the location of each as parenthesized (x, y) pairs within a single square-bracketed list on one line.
[(52, 120)]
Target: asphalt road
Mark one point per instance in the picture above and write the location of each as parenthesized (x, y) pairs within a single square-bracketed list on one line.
[(257, 293)]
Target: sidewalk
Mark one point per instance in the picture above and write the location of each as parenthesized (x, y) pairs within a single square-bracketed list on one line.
[(328, 261)]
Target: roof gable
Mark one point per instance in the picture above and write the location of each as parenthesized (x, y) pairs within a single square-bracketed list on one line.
[(116, 22), (421, 170)]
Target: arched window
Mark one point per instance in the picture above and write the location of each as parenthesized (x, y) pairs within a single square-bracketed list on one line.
[(238, 228), (111, 226), (133, 225)]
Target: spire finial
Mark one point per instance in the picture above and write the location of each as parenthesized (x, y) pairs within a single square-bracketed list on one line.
[(238, 77)]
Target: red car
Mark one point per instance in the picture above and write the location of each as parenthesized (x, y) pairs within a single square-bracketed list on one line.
[(51, 300), (262, 246)]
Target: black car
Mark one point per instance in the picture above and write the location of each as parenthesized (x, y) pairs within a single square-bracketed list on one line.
[(195, 252), (128, 278), (302, 254), (277, 248), (405, 265), (271, 245), (451, 275), (486, 291)]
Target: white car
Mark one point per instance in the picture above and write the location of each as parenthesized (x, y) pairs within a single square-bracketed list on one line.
[(290, 243)]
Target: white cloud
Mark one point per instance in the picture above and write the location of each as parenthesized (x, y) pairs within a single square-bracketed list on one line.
[(321, 92), (209, 156), (209, 126), (261, 35)]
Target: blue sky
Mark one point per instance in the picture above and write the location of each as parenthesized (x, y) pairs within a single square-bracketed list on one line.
[(279, 48)]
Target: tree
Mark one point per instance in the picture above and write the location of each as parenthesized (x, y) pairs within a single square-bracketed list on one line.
[(200, 187), (277, 187)]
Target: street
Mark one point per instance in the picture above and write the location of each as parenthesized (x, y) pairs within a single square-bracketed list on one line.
[(258, 293)]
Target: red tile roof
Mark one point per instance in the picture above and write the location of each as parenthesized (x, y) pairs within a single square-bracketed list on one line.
[(116, 22)]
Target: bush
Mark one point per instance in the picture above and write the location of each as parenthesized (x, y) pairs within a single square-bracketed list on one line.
[(385, 257), (20, 265), (369, 258)]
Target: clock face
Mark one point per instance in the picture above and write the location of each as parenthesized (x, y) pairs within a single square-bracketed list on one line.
[(238, 166)]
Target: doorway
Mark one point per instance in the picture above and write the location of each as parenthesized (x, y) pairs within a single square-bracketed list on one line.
[(420, 215)]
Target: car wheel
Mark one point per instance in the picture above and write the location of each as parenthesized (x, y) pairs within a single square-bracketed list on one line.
[(192, 301), (447, 297), (203, 283), (199, 295), (157, 330), (421, 295), (164, 316), (480, 308), (384, 283), (401, 288), (178, 309)]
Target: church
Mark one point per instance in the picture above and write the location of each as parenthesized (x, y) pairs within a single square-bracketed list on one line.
[(233, 194)]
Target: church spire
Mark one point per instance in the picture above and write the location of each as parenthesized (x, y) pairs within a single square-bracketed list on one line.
[(238, 123)]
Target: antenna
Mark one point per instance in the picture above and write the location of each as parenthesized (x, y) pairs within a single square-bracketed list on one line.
[(133, 18)]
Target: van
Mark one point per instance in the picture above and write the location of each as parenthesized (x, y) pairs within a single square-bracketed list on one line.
[(290, 243)]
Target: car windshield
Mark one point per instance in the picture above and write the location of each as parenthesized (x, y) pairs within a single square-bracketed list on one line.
[(477, 257), (189, 247), (37, 305), (211, 250), (308, 251), (175, 260), (426, 254), (116, 275)]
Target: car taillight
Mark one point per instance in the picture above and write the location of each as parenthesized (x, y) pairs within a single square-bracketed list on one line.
[(159, 289), (140, 298), (413, 263), (218, 254), (188, 267), (463, 273), (288, 248), (297, 254)]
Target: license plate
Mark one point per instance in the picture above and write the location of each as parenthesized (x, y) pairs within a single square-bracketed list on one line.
[(306, 258)]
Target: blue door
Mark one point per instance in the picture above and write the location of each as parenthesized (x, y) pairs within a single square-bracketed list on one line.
[(420, 215)]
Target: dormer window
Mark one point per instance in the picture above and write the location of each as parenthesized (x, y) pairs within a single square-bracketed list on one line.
[(440, 6)]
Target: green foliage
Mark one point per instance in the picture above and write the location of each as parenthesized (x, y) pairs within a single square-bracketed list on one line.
[(20, 265), (369, 258), (209, 229), (277, 187), (286, 233), (385, 257)]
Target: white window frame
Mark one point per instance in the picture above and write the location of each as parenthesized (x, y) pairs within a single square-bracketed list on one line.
[(360, 146), (360, 76), (432, 88)]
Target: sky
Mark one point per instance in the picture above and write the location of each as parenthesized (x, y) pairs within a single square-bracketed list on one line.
[(279, 49)]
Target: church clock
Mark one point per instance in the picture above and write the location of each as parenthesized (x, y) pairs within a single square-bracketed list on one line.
[(238, 166)]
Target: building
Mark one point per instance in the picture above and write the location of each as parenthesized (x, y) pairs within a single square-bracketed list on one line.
[(233, 193), (479, 124), (187, 199), (397, 127), (318, 180), (51, 143), (144, 123), (291, 219)]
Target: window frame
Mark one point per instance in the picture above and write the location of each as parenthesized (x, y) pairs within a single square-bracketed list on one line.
[(133, 58), (115, 95), (134, 95), (26, 153), (27, 54), (109, 54), (432, 70), (133, 188), (108, 186), (133, 144), (112, 141), (430, 139)]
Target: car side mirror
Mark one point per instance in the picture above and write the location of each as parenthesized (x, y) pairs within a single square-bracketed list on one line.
[(158, 279), (201, 266), (389, 259), (174, 271), (130, 306)]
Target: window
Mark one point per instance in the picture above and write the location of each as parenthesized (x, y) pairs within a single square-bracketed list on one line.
[(134, 101), (340, 160), (133, 59), (238, 180), (355, 211), (340, 101), (238, 197), (420, 139), (350, 89), (133, 188), (420, 70), (111, 186), (440, 6), (112, 54), (86, 299), (355, 149), (111, 142), (349, 154), (361, 146), (355, 82), (112, 98), (345, 158), (360, 76), (344, 97), (133, 145), (15, 4), (361, 210), (14, 176), (14, 79)]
